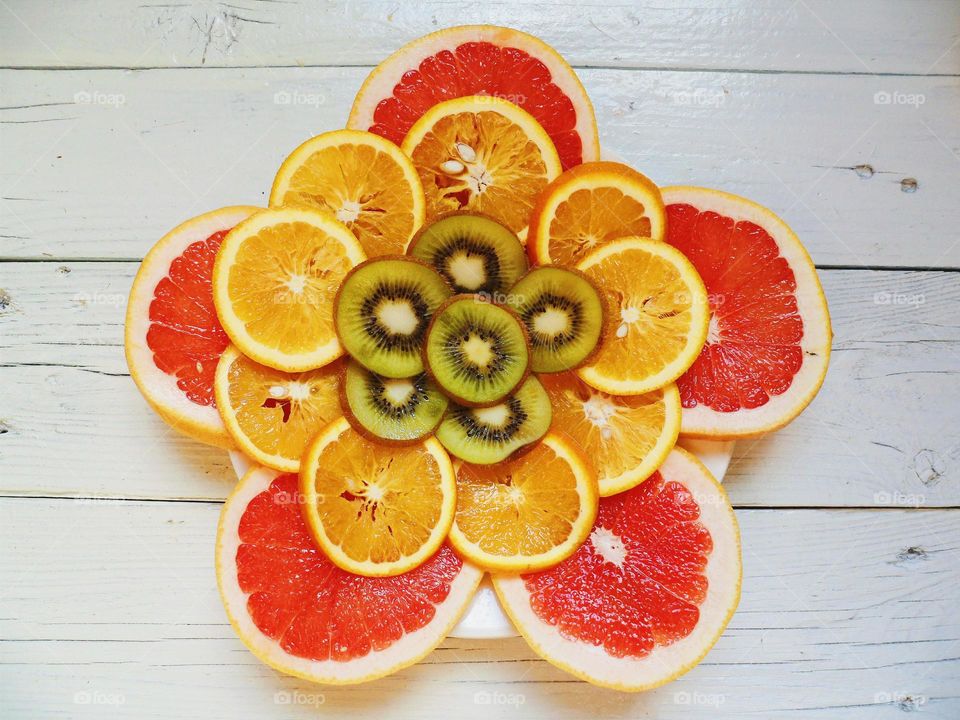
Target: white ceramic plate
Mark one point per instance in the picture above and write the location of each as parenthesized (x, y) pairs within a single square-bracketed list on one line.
[(484, 618)]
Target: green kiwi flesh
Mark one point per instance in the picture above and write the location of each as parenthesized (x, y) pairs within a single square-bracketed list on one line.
[(476, 351), (491, 434), (382, 312), (473, 252), (563, 314), (395, 410)]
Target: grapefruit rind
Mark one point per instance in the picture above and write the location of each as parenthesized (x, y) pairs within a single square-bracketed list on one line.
[(666, 662), (332, 550), (592, 176), (407, 651), (296, 159), (703, 422), (234, 326), (201, 422), (380, 83), (696, 336), (579, 530)]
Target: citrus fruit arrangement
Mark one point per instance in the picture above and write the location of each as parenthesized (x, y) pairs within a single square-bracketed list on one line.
[(458, 342)]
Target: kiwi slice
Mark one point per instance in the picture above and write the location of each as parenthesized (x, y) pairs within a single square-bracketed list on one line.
[(490, 434), (475, 350), (392, 410), (382, 311), (474, 252), (563, 314)]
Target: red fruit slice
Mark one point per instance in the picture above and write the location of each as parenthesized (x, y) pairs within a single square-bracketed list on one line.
[(301, 614), (173, 338), (648, 594), (479, 60), (769, 338)]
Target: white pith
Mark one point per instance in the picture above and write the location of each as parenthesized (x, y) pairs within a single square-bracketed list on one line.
[(159, 388), (397, 317), (406, 651), (468, 271), (665, 662), (703, 421)]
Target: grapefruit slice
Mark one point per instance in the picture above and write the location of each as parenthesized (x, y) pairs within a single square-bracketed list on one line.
[(479, 60), (483, 154), (302, 615), (769, 336), (656, 318), (589, 206), (273, 415), (649, 593), (527, 513), (359, 178), (172, 337), (375, 509), (274, 282), (626, 436)]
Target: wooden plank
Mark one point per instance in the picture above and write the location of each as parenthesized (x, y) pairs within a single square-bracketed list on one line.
[(871, 438), (816, 35), (99, 164), (848, 614)]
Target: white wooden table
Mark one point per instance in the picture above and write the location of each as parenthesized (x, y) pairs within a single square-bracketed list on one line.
[(119, 119)]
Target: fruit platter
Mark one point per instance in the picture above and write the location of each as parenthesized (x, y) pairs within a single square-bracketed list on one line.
[(471, 370)]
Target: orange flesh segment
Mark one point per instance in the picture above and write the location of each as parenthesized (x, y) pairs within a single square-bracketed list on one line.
[(590, 218)]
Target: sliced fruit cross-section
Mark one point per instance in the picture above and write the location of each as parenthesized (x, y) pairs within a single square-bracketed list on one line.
[(172, 336), (304, 616), (479, 60), (527, 513), (359, 178), (487, 435), (271, 414), (392, 410), (274, 282), (478, 352), (656, 316), (382, 311), (649, 593), (485, 154), (589, 206), (769, 340), (375, 509), (626, 436)]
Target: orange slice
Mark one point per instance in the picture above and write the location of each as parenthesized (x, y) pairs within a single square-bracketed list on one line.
[(362, 180), (376, 510), (656, 320), (589, 206), (527, 513), (627, 436), (485, 154), (274, 282), (271, 414)]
